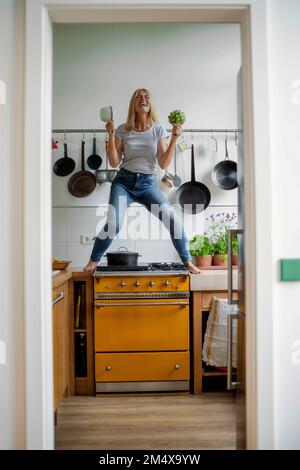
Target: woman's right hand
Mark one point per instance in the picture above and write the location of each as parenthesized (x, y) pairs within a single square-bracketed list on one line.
[(110, 127)]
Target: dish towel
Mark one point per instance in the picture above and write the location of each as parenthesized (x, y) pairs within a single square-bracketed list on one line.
[(214, 351)]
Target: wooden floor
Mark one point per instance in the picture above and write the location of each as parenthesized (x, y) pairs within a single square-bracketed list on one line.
[(147, 422)]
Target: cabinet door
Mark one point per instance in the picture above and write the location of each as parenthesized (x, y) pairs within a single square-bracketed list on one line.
[(60, 343), (64, 305), (55, 351)]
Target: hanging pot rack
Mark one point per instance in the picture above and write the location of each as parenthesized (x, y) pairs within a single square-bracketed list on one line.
[(203, 131)]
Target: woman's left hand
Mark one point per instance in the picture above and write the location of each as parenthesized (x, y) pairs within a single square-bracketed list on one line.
[(177, 130)]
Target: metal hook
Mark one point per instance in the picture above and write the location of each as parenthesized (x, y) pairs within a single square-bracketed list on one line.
[(212, 137), (65, 135), (82, 134), (94, 132), (235, 138)]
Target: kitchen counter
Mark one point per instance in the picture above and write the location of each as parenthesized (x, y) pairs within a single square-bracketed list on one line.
[(61, 278), (212, 280), (66, 274)]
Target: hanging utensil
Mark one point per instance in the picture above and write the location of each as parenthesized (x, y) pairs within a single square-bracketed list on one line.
[(102, 175), (193, 197), (167, 180), (94, 161), (65, 165), (224, 174), (215, 143), (176, 179), (82, 183)]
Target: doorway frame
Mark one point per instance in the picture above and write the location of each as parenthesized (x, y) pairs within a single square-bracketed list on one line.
[(40, 15)]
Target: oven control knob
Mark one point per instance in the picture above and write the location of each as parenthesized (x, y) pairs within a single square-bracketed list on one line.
[(137, 283), (122, 283), (152, 283), (167, 283), (177, 366), (108, 368)]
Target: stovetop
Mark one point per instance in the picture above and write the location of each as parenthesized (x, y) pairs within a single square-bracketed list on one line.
[(148, 267)]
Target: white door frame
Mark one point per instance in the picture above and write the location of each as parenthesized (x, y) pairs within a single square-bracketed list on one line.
[(40, 14)]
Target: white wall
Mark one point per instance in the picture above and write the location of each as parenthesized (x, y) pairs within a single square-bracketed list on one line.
[(188, 66), (12, 435), (284, 40)]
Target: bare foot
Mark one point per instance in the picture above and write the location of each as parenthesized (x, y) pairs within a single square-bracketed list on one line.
[(193, 269), (90, 267)]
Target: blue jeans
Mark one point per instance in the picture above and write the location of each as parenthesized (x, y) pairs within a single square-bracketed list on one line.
[(126, 188)]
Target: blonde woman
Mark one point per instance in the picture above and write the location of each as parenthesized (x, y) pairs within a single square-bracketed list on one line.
[(143, 142)]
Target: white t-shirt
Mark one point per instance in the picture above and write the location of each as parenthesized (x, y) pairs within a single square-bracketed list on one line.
[(140, 148)]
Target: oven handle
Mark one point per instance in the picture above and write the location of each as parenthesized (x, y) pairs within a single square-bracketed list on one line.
[(119, 304)]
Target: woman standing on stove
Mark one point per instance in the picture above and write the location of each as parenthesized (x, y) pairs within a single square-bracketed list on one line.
[(143, 142)]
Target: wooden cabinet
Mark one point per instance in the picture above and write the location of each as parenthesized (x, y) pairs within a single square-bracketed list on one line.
[(60, 344), (200, 312), (82, 372)]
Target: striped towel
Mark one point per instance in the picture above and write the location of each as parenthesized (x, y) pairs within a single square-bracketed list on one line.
[(214, 352)]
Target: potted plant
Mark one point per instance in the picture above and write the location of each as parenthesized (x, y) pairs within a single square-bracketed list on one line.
[(201, 248), (220, 248), (235, 247), (219, 225)]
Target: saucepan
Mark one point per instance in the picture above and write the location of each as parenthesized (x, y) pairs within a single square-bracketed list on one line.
[(224, 174)]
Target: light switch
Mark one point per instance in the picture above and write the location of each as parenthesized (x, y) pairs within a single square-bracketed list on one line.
[(2, 92), (290, 269)]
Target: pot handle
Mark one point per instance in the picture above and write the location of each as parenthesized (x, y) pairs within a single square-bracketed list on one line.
[(120, 248), (226, 149)]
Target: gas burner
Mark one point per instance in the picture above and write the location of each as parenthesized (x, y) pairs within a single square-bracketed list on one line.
[(167, 267)]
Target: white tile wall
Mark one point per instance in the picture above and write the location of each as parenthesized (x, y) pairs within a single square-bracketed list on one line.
[(59, 250), (59, 225), (144, 233)]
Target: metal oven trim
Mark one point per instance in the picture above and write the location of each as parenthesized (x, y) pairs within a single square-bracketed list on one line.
[(141, 295), (163, 386)]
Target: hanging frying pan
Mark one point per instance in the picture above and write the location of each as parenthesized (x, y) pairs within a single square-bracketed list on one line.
[(65, 165), (83, 182), (94, 161), (193, 197), (224, 174)]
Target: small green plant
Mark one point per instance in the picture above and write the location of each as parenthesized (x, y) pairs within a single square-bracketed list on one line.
[(221, 245), (235, 244), (200, 246), (176, 117)]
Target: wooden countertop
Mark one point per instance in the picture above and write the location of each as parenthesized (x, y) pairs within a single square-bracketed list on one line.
[(66, 274)]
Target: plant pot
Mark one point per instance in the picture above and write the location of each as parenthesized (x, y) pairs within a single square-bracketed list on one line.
[(235, 260), (220, 260), (205, 260)]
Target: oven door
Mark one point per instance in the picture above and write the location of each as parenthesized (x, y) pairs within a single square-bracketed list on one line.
[(141, 325)]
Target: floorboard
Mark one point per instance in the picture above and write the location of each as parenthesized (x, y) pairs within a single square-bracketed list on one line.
[(196, 422)]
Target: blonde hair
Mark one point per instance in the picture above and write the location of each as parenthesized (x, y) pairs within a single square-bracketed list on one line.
[(131, 117)]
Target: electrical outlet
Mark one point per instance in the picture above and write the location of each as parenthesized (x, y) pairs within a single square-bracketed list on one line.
[(87, 239)]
